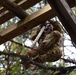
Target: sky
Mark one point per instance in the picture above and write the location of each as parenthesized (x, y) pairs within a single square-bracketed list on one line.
[(1, 47), (69, 50)]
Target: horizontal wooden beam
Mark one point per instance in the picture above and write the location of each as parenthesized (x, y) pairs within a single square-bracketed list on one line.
[(70, 2), (25, 5), (14, 8), (28, 23), (4, 9)]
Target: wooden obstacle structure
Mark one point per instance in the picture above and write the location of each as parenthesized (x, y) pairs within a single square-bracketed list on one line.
[(12, 8)]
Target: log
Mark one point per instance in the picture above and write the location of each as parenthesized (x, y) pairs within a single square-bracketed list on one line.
[(10, 15), (14, 8)]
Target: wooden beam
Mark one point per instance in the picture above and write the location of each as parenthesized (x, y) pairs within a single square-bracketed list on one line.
[(25, 5), (71, 3), (66, 16), (14, 8), (26, 24), (4, 9), (1, 39)]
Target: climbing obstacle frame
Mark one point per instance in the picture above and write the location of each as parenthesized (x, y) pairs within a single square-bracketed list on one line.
[(16, 8), (10, 9)]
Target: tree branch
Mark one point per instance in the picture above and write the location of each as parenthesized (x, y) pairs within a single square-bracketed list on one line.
[(69, 60), (39, 64), (53, 68)]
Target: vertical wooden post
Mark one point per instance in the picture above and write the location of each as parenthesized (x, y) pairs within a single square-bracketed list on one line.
[(66, 16)]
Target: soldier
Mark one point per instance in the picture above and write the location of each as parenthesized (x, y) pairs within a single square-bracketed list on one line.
[(48, 49)]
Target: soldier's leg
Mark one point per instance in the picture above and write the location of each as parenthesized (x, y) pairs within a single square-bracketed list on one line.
[(52, 55), (47, 44)]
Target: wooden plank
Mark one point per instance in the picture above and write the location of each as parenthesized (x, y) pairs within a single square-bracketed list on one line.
[(4, 9), (14, 8), (28, 23), (25, 6), (70, 2), (66, 16), (1, 39)]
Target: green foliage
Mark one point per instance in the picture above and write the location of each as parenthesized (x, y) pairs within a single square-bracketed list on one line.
[(74, 10), (73, 73), (16, 68)]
